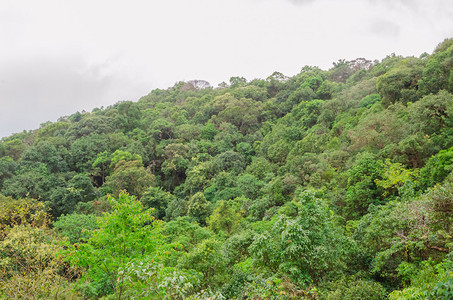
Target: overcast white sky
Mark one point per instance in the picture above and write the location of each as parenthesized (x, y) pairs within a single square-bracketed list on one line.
[(58, 57)]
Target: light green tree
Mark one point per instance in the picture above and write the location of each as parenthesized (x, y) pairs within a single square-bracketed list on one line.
[(126, 255)]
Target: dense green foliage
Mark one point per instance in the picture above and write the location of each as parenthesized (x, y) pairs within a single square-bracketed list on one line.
[(329, 184)]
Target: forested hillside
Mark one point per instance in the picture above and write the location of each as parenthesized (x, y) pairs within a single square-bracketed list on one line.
[(329, 184)]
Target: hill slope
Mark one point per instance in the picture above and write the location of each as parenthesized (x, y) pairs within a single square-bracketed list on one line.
[(329, 184)]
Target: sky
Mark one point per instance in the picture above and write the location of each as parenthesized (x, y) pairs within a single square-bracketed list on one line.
[(58, 57)]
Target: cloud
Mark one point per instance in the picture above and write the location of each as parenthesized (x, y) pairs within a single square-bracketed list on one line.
[(301, 2), (34, 91), (385, 28), (397, 4)]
